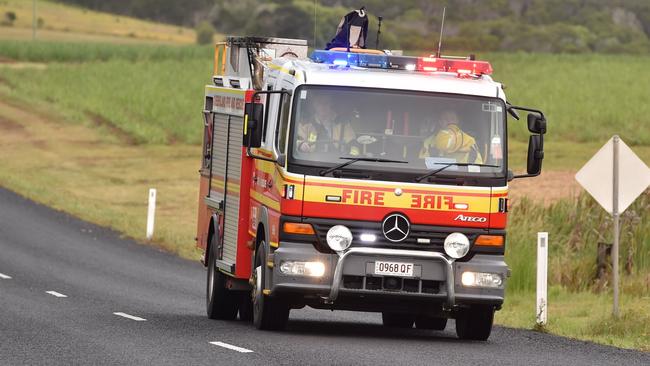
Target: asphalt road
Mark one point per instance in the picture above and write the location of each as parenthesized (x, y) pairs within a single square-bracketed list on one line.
[(45, 255)]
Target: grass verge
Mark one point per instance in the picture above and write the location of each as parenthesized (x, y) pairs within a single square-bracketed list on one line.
[(583, 315), (92, 174)]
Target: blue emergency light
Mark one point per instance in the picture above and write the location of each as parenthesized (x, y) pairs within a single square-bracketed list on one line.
[(346, 59)]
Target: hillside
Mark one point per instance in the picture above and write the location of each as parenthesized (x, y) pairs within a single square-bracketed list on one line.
[(71, 23), (559, 26)]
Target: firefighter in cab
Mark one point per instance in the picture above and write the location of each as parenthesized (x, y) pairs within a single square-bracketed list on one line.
[(325, 131), (450, 141)]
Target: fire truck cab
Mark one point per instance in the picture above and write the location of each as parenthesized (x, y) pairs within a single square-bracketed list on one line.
[(356, 180)]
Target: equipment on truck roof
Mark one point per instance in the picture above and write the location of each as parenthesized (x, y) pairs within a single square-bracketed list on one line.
[(352, 31)]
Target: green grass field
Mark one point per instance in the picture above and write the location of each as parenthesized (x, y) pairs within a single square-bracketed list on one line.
[(587, 98), (75, 53), (153, 102)]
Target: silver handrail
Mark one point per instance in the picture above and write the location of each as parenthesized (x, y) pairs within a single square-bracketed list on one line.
[(338, 271)]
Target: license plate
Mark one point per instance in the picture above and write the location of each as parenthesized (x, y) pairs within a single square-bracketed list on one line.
[(394, 269)]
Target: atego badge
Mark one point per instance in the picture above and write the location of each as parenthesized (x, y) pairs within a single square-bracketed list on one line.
[(464, 218), (396, 227)]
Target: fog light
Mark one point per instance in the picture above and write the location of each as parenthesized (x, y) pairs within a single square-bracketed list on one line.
[(481, 279), (295, 268), (456, 245), (339, 238)]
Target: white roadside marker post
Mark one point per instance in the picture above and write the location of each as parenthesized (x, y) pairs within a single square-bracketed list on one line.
[(542, 276), (151, 213)]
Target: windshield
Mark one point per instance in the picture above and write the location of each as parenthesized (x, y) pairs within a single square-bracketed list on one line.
[(419, 131)]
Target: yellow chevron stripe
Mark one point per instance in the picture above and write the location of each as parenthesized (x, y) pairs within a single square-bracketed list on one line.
[(268, 202)]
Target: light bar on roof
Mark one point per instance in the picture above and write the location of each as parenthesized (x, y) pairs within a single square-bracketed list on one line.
[(462, 67)]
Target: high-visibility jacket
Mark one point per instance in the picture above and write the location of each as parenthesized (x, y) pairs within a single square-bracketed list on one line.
[(452, 142), (339, 138)]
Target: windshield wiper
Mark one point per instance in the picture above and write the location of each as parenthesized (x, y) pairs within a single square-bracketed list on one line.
[(445, 166), (354, 160)]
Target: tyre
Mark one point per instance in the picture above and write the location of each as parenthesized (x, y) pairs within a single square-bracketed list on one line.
[(221, 303), (475, 323), (430, 322), (269, 313), (397, 320)]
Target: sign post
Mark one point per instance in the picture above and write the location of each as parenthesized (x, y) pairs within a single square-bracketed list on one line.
[(615, 177), (616, 215)]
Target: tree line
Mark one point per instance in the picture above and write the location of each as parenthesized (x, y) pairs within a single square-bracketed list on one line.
[(567, 26)]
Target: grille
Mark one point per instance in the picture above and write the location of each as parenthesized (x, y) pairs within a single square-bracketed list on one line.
[(396, 284)]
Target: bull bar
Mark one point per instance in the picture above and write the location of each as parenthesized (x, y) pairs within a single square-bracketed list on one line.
[(338, 271)]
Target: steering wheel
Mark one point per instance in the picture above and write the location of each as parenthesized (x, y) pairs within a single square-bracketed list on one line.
[(366, 140)]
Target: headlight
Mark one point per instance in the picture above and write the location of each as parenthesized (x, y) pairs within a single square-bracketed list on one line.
[(456, 245), (481, 279), (295, 268), (339, 238)]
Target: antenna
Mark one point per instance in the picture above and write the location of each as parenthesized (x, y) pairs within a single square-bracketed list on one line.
[(442, 28), (349, 27), (315, 24), (379, 31)]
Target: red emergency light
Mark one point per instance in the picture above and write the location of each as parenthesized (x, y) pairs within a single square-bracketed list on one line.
[(461, 67)]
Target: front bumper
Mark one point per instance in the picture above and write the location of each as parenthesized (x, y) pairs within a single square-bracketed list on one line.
[(436, 279)]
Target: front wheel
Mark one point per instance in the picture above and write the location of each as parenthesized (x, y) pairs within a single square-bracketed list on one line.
[(475, 323), (221, 303), (269, 313)]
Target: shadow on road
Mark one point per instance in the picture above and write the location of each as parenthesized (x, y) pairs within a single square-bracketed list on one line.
[(340, 329)]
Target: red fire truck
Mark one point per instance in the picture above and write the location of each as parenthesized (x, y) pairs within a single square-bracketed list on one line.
[(356, 180)]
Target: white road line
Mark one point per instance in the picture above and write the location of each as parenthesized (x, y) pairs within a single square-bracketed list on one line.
[(125, 315), (4, 277), (230, 346), (56, 294)]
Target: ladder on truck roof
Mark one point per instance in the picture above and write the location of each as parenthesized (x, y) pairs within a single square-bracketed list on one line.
[(245, 57)]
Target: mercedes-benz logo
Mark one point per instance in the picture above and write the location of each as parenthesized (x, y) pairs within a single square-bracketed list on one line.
[(396, 227)]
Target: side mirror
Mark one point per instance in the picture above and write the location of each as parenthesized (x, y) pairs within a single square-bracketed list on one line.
[(253, 125), (535, 154), (537, 126), (536, 123)]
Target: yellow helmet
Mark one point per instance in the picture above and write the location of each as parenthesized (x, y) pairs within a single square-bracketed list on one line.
[(449, 140)]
